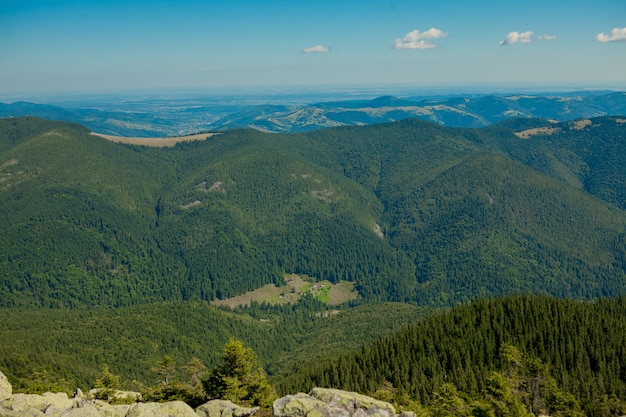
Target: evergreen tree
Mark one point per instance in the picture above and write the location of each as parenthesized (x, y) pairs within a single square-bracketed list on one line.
[(166, 369), (107, 384), (170, 388), (239, 378)]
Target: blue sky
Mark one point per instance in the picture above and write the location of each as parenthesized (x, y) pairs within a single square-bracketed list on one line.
[(70, 45)]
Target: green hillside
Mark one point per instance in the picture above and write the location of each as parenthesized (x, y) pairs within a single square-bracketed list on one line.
[(409, 211), (110, 254), (548, 355), (72, 345), (551, 355)]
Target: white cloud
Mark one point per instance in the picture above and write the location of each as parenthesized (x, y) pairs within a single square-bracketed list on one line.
[(547, 37), (515, 37), (420, 40), (617, 35), (316, 48)]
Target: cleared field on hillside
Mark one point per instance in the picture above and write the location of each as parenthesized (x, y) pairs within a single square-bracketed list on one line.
[(295, 286), (157, 142)]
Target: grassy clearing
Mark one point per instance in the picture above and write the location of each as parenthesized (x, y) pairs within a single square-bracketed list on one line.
[(341, 293), (157, 142), (295, 286)]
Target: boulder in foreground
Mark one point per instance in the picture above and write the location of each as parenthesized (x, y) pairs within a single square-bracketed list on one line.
[(326, 402), (320, 402)]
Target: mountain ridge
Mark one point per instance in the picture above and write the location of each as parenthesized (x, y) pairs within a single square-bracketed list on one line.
[(409, 211), (160, 120), (454, 112)]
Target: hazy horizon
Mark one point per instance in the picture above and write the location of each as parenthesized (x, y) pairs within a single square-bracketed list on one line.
[(298, 94)]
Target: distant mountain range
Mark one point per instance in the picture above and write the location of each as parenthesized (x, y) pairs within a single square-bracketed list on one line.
[(460, 111), (454, 112)]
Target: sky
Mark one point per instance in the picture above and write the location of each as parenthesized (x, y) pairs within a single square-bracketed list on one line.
[(71, 45)]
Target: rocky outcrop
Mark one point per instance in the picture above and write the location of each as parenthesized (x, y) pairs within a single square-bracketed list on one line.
[(5, 387), (170, 409), (299, 405), (223, 408), (320, 402), (324, 402), (60, 405), (43, 403), (114, 395), (351, 401)]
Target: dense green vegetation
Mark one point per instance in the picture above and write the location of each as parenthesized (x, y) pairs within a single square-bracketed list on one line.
[(239, 379), (571, 351), (516, 356), (126, 245), (72, 345), (463, 213)]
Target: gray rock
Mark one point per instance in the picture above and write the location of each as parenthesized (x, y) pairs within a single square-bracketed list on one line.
[(302, 405), (59, 400), (120, 410), (79, 394), (352, 401), (4, 412), (49, 403), (323, 402), (170, 409), (372, 412), (113, 395), (223, 408), (126, 395), (82, 412), (107, 410), (5, 387), (87, 410), (23, 402)]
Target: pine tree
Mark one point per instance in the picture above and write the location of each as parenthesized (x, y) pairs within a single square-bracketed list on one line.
[(107, 384), (239, 378)]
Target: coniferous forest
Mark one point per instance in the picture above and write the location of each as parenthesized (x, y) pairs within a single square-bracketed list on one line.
[(408, 211), (490, 264), (556, 356)]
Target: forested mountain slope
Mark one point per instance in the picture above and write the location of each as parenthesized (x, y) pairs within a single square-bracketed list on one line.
[(512, 356), (410, 211), (68, 347), (551, 355)]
